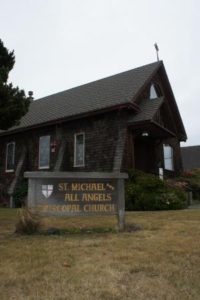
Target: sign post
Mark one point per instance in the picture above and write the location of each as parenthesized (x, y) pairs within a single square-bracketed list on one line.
[(77, 193)]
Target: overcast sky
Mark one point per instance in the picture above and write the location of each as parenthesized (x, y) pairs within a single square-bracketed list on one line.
[(61, 44)]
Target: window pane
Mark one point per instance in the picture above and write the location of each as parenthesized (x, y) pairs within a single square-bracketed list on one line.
[(168, 164), (167, 151), (44, 151), (153, 93), (168, 157), (79, 150), (10, 156)]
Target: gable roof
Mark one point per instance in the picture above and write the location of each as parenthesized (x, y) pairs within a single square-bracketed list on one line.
[(119, 89), (148, 109), (190, 157)]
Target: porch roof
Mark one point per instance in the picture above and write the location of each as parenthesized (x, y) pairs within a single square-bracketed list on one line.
[(144, 120), (148, 109), (152, 128)]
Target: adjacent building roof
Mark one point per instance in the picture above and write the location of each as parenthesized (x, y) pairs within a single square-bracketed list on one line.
[(191, 157), (105, 93)]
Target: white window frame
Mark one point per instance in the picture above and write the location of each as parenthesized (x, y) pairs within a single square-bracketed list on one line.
[(75, 138), (13, 157), (47, 166), (171, 158)]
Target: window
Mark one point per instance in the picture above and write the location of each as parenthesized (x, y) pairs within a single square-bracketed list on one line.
[(155, 91), (168, 157), (79, 150), (44, 152), (10, 157)]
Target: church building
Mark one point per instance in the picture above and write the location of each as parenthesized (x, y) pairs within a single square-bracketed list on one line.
[(126, 121)]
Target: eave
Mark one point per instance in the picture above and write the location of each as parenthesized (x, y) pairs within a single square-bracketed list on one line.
[(128, 105), (153, 129)]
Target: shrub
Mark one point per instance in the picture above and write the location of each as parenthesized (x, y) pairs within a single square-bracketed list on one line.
[(192, 180), (28, 222), (148, 192), (173, 198)]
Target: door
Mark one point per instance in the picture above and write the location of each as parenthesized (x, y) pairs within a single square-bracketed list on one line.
[(145, 158)]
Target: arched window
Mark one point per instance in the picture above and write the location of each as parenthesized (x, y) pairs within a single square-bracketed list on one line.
[(155, 91)]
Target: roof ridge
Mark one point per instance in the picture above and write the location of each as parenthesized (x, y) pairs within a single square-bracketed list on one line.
[(98, 80)]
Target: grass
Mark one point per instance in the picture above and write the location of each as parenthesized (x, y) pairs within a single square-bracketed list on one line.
[(160, 261)]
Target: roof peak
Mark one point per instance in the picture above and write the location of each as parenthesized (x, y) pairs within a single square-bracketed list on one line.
[(101, 79)]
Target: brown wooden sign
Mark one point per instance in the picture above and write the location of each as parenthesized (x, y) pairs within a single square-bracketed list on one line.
[(63, 193), (77, 196)]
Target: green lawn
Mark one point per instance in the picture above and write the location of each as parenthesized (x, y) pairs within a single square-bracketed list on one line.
[(160, 261)]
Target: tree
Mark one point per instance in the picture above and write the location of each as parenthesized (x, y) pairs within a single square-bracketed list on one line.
[(13, 102)]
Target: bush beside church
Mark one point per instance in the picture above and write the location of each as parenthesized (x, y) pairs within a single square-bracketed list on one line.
[(148, 192)]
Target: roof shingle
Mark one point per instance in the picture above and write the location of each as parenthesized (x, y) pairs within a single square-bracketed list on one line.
[(101, 94), (148, 109)]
